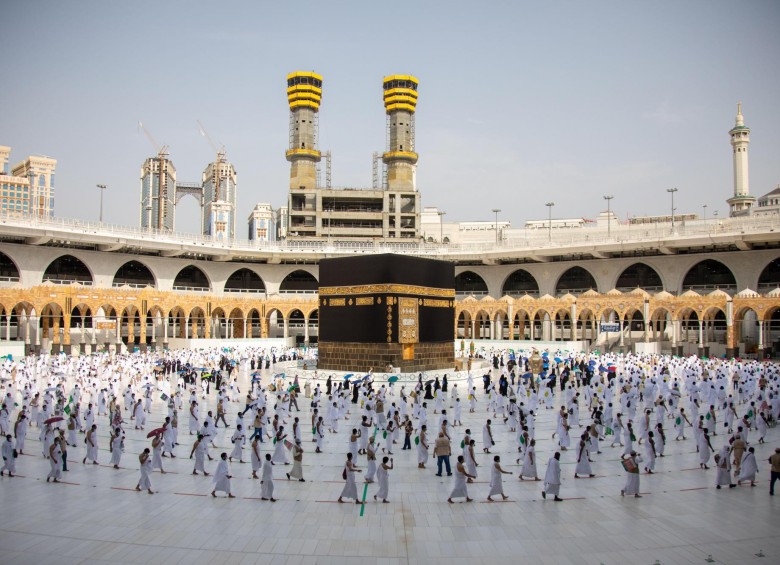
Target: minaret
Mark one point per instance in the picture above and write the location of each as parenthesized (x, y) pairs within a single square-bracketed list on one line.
[(304, 92), (741, 203), (400, 97)]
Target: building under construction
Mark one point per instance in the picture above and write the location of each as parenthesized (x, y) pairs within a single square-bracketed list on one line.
[(390, 209), (216, 193)]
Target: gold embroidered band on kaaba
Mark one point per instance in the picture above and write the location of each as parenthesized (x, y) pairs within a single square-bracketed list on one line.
[(386, 289)]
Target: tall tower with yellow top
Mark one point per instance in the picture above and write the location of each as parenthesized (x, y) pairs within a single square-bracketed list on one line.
[(400, 97), (304, 93)]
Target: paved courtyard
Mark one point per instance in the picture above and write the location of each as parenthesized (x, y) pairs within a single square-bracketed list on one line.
[(97, 516)]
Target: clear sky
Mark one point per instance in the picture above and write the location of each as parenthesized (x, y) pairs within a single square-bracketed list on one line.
[(521, 103)]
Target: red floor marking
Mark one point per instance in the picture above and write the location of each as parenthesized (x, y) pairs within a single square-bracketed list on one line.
[(334, 501), (697, 488), (122, 488), (189, 494), (67, 483), (575, 498), (494, 501)]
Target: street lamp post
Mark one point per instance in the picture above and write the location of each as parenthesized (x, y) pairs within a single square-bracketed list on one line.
[(609, 214), (441, 225), (496, 211), (102, 187), (672, 191), (705, 212), (549, 220)]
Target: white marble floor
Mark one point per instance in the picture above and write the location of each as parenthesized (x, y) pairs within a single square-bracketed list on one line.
[(96, 516)]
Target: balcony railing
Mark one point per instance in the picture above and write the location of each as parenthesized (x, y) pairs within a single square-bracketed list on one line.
[(184, 288), (521, 241), (67, 281)]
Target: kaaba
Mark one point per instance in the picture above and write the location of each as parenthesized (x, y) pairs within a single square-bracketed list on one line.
[(387, 310)]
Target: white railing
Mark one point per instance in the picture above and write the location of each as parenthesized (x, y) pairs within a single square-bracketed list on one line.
[(521, 240), (301, 291), (132, 285), (245, 290), (67, 281), (184, 288)]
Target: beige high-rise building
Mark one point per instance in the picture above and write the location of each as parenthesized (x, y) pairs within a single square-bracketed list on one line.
[(5, 153), (14, 191), (37, 192), (219, 199), (158, 193)]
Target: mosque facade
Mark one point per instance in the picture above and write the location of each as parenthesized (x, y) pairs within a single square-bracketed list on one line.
[(698, 286)]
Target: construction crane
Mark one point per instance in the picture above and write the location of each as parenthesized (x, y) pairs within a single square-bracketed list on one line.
[(162, 150), (219, 151)]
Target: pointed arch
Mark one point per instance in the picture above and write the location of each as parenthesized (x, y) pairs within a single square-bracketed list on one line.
[(520, 283), (244, 280), (709, 274), (274, 322), (9, 272), (313, 325), (575, 280), (639, 275), (67, 269), (254, 323), (134, 274), (299, 282), (470, 283), (193, 279), (770, 276)]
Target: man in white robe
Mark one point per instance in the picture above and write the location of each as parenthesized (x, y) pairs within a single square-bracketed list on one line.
[(267, 482), (9, 457), (552, 478), (222, 477), (748, 468)]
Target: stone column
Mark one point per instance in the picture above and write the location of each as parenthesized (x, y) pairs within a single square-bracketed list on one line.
[(760, 349), (130, 331), (646, 320), (621, 321), (702, 353), (547, 323), (142, 332), (731, 350), (65, 342)]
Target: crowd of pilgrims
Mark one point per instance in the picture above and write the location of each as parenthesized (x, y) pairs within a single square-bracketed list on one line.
[(636, 402)]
